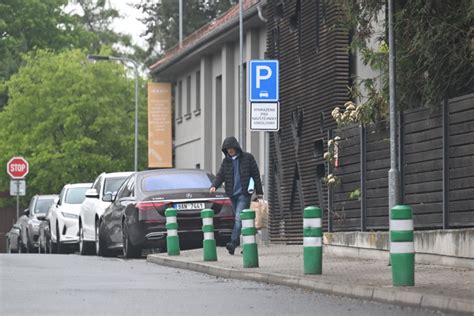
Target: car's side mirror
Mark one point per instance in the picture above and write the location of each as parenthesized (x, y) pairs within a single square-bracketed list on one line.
[(108, 197), (92, 193), (41, 217), (56, 201), (27, 212)]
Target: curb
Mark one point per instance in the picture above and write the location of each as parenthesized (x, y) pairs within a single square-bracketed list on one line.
[(383, 295)]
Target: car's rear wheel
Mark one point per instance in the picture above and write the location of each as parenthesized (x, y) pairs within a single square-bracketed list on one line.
[(101, 246), (59, 246), (129, 250), (21, 248), (46, 245), (9, 249), (53, 247), (29, 245), (85, 248), (97, 240)]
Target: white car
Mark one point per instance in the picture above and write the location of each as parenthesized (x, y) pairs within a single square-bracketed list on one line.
[(63, 217), (93, 207)]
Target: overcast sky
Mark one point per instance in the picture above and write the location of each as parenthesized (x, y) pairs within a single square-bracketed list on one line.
[(129, 23)]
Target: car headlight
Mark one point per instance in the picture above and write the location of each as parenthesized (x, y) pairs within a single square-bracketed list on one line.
[(69, 215)]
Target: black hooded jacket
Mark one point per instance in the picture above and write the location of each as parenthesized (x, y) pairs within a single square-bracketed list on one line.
[(248, 168)]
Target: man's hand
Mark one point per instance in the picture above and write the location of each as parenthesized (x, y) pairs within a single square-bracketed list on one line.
[(212, 190)]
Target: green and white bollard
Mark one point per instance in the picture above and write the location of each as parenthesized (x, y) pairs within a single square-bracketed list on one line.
[(312, 241), (209, 242), (402, 250), (172, 239), (249, 246)]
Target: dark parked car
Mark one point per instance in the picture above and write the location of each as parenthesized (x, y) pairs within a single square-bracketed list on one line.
[(135, 220), (13, 239), (35, 214)]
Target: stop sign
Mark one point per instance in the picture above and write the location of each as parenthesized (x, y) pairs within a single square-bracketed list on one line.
[(17, 167)]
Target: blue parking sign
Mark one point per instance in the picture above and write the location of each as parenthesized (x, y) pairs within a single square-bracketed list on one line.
[(264, 81)]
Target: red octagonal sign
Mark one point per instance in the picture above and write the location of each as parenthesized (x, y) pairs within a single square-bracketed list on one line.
[(17, 167)]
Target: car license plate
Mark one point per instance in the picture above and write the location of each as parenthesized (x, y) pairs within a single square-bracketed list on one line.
[(189, 206)]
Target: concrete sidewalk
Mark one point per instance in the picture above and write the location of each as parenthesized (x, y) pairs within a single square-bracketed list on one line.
[(437, 287)]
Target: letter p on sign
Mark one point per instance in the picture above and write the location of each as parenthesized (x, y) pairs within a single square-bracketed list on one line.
[(260, 76)]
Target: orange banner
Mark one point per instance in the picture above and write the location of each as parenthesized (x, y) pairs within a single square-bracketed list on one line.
[(159, 125)]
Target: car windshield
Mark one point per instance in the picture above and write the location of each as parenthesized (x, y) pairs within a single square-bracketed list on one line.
[(43, 205), (75, 195), (176, 181), (113, 184)]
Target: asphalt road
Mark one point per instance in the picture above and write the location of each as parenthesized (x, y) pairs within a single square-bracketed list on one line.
[(32, 284)]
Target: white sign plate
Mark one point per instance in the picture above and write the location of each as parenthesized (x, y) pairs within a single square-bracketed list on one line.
[(19, 189), (265, 116)]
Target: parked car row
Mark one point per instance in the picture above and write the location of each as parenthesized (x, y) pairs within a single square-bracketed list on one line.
[(24, 235), (122, 213)]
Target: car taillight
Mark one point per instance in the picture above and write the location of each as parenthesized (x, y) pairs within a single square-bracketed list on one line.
[(148, 211), (148, 206), (223, 202)]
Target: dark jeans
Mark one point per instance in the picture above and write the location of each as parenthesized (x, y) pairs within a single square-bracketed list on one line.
[(239, 202)]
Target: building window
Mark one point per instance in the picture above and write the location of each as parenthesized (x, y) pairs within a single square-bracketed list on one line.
[(188, 98), (179, 102), (197, 111)]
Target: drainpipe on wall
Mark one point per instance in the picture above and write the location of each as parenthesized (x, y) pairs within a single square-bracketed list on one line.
[(260, 9), (180, 23)]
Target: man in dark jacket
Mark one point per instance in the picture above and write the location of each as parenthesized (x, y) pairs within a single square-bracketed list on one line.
[(236, 170)]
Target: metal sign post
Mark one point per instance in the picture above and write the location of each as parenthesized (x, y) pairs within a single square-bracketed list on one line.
[(17, 188), (17, 199)]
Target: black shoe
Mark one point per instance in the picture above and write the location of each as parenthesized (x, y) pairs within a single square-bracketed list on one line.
[(230, 247)]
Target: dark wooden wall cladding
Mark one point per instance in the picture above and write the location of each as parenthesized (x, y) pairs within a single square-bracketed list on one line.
[(461, 162), (423, 166), (314, 74), (437, 170)]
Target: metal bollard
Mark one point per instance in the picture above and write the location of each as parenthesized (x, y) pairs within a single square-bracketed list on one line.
[(249, 247), (312, 241), (402, 250), (209, 242), (172, 239)]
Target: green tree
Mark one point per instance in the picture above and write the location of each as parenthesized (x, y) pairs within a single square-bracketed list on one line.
[(162, 21), (27, 25), (70, 119)]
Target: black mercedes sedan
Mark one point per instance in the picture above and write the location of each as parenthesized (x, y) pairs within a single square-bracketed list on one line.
[(136, 218)]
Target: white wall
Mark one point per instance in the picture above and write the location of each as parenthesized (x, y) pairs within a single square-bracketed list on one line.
[(188, 145)]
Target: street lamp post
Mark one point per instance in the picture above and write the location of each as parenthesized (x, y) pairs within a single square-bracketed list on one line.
[(135, 65), (393, 173)]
